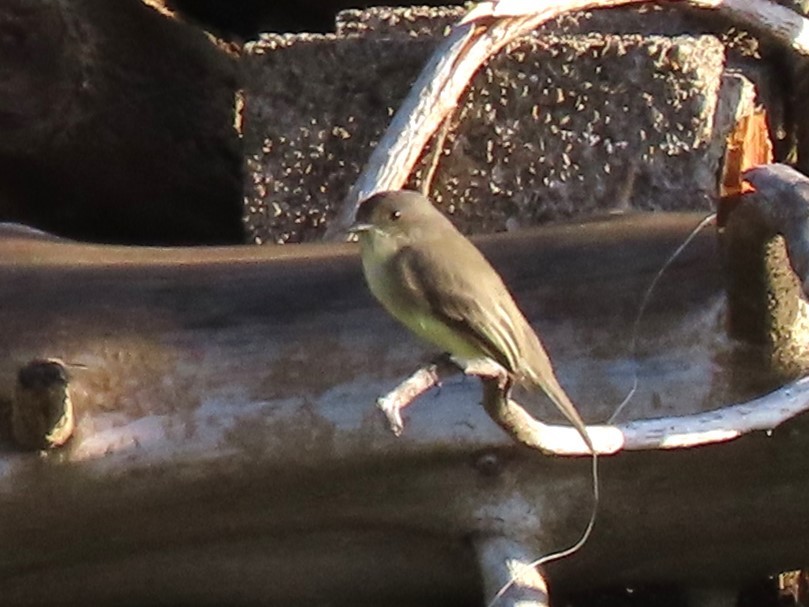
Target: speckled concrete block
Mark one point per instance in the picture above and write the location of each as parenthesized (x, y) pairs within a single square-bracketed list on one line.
[(388, 21), (570, 125), (315, 105), (561, 125)]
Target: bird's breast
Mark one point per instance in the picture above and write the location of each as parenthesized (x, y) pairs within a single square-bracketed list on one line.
[(404, 304)]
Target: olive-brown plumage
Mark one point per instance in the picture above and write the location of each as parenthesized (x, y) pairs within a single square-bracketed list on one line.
[(437, 283)]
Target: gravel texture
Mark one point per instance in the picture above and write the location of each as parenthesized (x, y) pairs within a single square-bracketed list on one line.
[(560, 124)]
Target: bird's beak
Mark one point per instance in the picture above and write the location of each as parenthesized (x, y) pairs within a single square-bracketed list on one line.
[(358, 227)]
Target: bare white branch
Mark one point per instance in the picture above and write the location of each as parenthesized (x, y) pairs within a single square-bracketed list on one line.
[(760, 414)]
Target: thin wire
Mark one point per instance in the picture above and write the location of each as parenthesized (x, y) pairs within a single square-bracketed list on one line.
[(633, 346), (570, 549), (642, 310)]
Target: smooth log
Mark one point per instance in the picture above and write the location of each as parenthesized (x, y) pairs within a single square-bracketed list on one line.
[(227, 446)]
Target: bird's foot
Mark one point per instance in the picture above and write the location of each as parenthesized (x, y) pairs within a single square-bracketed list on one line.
[(485, 368)]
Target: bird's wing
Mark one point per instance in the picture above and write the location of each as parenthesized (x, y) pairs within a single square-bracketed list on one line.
[(479, 306), (476, 304)]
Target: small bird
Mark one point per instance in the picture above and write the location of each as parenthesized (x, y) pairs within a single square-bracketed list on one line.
[(433, 280)]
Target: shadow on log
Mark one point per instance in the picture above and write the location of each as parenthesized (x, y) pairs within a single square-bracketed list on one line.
[(116, 125), (223, 396)]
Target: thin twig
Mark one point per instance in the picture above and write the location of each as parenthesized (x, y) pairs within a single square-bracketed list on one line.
[(425, 378)]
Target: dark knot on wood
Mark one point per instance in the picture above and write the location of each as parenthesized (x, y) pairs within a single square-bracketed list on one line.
[(42, 412)]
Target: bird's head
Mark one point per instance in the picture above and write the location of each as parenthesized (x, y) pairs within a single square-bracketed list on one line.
[(400, 213)]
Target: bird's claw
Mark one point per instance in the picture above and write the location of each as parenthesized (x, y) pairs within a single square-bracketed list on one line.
[(481, 367)]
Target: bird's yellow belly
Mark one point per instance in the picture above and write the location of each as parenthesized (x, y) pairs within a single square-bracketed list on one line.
[(415, 316), (439, 334)]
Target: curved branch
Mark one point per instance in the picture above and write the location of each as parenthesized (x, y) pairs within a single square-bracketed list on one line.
[(782, 200), (720, 425)]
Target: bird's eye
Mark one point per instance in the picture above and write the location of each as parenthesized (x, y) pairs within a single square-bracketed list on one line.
[(394, 215)]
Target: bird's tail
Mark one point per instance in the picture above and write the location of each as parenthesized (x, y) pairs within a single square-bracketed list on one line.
[(551, 387)]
